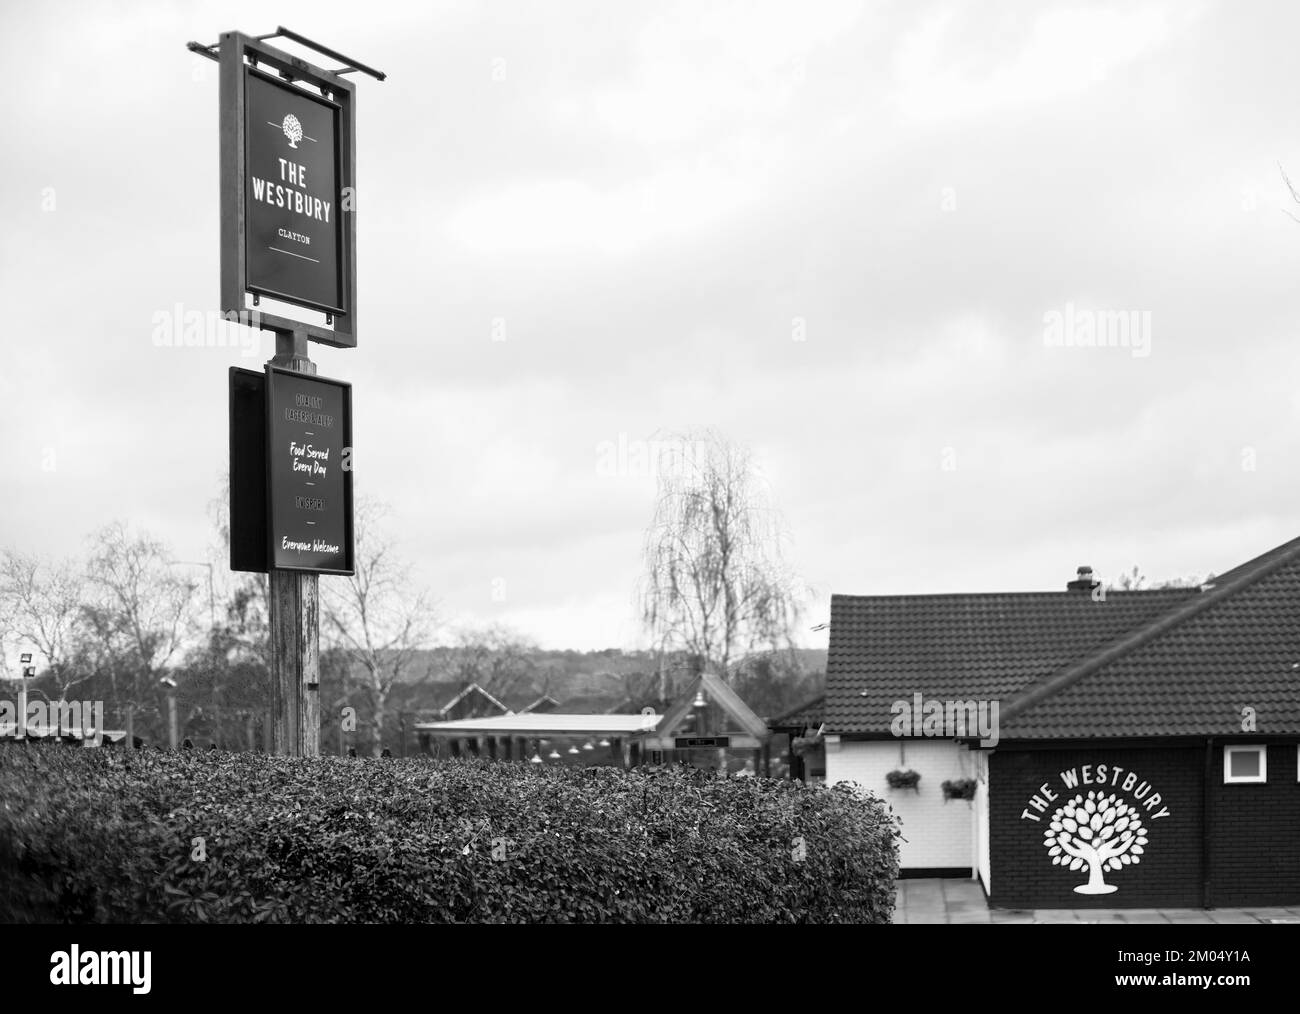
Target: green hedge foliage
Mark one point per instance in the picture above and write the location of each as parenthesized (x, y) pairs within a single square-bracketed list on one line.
[(113, 836)]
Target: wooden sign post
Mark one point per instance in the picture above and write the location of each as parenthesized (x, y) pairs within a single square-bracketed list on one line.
[(288, 233), (295, 622)]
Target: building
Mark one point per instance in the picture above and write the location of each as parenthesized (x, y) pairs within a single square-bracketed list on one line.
[(541, 704), (708, 725), (801, 729), (471, 701), (1128, 749), (540, 736)]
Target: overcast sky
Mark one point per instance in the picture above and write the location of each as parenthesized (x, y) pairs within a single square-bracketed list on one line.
[(836, 232)]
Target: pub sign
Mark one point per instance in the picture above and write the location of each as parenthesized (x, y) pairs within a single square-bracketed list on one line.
[(291, 492), (310, 482), (292, 237), (288, 186)]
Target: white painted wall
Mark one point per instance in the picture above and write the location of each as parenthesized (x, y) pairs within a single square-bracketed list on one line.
[(981, 829), (938, 833)]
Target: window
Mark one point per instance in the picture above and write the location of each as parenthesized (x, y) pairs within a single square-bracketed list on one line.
[(1243, 764)]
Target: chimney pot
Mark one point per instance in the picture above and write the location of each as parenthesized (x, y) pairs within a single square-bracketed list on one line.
[(1083, 581)]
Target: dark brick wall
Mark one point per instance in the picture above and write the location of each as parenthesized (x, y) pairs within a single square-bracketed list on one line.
[(1169, 873), (1255, 854), (1253, 840)]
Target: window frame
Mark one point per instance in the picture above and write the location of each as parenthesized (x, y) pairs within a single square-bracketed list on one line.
[(1260, 779)]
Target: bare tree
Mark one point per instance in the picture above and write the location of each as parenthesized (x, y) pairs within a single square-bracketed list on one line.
[(496, 658), (376, 617), (637, 688), (245, 597), (43, 601), (1135, 580), (715, 586), (143, 609), (1295, 195), (8, 660)]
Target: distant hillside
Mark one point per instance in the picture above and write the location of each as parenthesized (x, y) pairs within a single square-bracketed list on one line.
[(582, 681)]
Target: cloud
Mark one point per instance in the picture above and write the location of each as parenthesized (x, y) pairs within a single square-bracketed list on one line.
[(573, 218), (702, 71), (647, 201), (962, 64)]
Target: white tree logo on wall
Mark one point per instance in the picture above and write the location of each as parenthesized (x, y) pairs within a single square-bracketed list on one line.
[(292, 130), (1100, 831)]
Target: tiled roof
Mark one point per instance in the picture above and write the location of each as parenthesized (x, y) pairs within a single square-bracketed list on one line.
[(473, 688), (1189, 673), (808, 715), (962, 647)]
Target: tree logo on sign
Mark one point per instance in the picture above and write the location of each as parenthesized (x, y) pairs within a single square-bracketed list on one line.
[(1101, 832), (292, 130)]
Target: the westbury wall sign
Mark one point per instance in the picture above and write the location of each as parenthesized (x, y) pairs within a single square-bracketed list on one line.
[(294, 238), (1098, 819)]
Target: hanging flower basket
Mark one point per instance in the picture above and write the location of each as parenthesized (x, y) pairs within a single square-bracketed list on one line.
[(903, 779), (961, 788)]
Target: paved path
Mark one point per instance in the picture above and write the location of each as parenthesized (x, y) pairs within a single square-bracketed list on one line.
[(962, 901)]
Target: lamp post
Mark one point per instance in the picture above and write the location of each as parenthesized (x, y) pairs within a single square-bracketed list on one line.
[(212, 625), (170, 684), (28, 671)]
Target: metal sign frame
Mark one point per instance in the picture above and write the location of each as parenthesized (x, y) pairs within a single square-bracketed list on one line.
[(249, 540), (239, 52)]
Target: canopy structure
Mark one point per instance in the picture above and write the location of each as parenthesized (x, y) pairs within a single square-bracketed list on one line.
[(710, 726), (514, 736), (542, 723), (684, 727), (708, 719)]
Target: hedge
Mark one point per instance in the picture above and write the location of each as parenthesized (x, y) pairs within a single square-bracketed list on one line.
[(147, 836)]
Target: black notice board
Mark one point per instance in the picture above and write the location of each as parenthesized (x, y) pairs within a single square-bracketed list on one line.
[(309, 476), (686, 743), (248, 538)]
